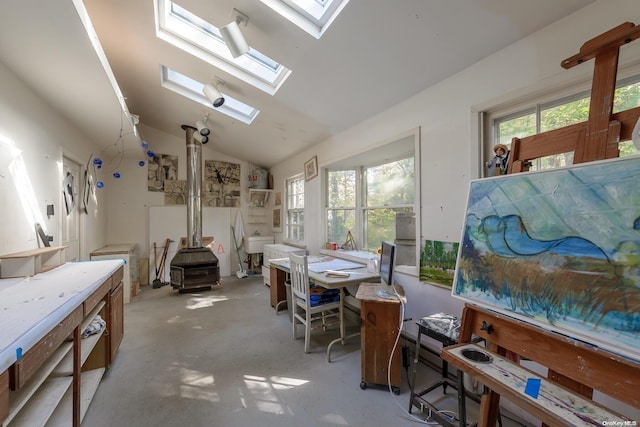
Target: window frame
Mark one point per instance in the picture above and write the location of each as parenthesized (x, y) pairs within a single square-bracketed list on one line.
[(289, 211), (535, 105), (361, 207)]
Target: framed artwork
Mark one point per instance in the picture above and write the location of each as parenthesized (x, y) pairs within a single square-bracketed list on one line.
[(278, 200), (175, 192), (68, 186), (559, 249), (277, 225), (438, 262), (221, 184), (311, 168), (161, 168)]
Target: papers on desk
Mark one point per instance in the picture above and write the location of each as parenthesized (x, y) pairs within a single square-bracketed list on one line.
[(328, 263), (339, 274)]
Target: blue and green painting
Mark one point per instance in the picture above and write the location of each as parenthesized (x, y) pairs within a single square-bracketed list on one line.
[(560, 249), (438, 262)]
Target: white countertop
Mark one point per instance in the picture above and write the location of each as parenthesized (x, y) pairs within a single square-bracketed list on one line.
[(121, 248), (30, 307)]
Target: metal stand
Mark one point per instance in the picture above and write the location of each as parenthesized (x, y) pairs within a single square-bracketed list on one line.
[(443, 328)]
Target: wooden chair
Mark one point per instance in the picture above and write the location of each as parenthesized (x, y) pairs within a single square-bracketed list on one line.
[(306, 311)]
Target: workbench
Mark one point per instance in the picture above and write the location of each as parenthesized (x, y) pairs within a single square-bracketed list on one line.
[(47, 372)]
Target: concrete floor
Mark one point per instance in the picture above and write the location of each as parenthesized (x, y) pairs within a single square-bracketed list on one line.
[(224, 358)]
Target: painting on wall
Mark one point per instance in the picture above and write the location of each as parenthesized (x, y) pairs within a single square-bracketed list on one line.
[(161, 168), (277, 224), (438, 262), (559, 249), (175, 192), (221, 184)]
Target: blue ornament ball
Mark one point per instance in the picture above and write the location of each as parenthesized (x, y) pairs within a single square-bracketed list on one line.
[(144, 144), (97, 161), (141, 163), (116, 175), (150, 153), (99, 184)]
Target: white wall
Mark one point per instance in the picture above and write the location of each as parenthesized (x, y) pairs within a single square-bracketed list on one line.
[(447, 115), (129, 201), (44, 136)]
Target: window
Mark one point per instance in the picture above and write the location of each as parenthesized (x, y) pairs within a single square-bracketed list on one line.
[(312, 16), (194, 35), (295, 209), (560, 113), (192, 89), (365, 200)]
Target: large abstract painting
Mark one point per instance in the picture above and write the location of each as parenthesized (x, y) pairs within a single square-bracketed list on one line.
[(560, 249)]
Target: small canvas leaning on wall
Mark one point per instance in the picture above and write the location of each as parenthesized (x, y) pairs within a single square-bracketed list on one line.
[(559, 249)]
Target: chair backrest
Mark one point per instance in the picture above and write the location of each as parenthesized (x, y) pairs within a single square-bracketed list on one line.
[(299, 271)]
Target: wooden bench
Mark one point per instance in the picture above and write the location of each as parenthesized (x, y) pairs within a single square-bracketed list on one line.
[(575, 370)]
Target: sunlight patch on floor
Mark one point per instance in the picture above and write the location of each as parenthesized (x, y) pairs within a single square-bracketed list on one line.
[(195, 303), (264, 392), (197, 385), (334, 419)]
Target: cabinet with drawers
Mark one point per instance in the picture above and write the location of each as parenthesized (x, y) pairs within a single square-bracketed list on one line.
[(274, 251), (127, 253), (49, 371)]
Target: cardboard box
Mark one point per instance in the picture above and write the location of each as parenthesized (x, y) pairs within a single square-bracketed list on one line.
[(135, 288)]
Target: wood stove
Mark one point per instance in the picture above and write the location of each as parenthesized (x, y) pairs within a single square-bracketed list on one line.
[(194, 267)]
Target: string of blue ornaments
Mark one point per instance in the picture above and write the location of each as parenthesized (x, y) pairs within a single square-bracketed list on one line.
[(99, 164)]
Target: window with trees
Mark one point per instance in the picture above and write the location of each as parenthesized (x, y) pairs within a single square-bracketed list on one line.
[(559, 113), (295, 209), (365, 200)]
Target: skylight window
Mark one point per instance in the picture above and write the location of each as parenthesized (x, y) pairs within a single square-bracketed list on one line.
[(313, 16), (183, 29), (192, 89)]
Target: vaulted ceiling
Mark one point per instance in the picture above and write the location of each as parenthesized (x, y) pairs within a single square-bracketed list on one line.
[(374, 55)]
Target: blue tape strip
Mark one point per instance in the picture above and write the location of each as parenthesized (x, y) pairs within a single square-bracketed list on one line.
[(533, 387), (18, 353)]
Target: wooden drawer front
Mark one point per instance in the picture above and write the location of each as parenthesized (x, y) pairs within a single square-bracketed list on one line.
[(23, 369), (116, 322), (97, 296), (4, 396), (117, 278)]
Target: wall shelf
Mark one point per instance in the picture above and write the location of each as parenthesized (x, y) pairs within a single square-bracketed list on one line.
[(32, 262), (259, 197)]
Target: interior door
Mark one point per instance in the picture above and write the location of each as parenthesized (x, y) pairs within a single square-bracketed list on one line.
[(71, 208)]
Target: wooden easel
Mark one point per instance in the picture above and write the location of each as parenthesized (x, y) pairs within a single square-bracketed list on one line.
[(595, 139), (598, 137), (612, 375), (350, 243)]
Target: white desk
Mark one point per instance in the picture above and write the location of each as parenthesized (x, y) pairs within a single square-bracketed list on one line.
[(356, 276)]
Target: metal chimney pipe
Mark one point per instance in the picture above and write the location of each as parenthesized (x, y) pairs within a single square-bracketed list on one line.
[(194, 188)]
